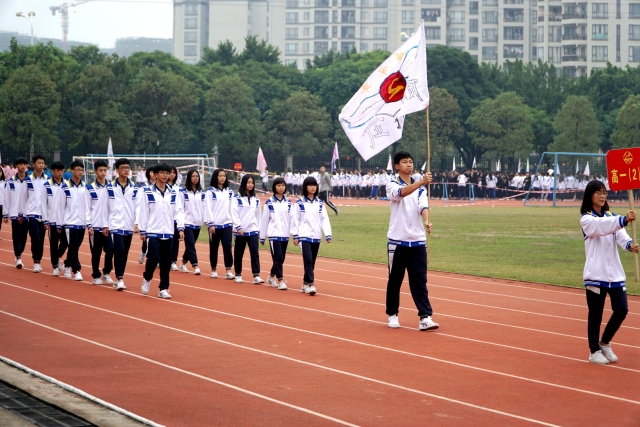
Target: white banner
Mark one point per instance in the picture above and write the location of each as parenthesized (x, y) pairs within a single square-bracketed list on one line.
[(374, 117)]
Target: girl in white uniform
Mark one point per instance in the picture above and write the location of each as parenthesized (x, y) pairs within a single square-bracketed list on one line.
[(246, 216), (192, 199), (276, 223), (603, 273), (217, 216)]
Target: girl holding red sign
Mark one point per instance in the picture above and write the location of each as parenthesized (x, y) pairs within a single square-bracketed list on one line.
[(603, 273)]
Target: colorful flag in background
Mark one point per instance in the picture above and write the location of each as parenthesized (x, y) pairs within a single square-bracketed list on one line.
[(334, 157), (587, 172), (262, 162), (110, 158), (374, 117)]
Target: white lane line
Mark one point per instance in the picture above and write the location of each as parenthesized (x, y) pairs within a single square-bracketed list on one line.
[(183, 371), (435, 359)]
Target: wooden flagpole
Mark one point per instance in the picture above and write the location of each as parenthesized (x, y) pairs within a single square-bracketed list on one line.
[(633, 236), (428, 170)]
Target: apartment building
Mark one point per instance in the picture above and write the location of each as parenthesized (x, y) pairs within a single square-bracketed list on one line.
[(577, 36)]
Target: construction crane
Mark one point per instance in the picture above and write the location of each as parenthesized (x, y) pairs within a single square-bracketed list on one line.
[(64, 13)]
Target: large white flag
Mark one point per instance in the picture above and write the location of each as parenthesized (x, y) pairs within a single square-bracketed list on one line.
[(262, 162), (519, 165), (110, 158), (454, 163), (374, 117), (587, 172), (390, 164), (527, 165)]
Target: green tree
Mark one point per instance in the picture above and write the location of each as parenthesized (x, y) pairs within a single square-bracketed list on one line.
[(627, 133), (259, 51), (162, 106), (231, 120), (225, 54), (502, 125), (576, 126), (29, 107), (542, 130), (301, 122), (445, 126)]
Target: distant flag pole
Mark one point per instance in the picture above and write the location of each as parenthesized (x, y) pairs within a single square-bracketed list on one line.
[(557, 170), (519, 166), (390, 164), (473, 166), (498, 167), (587, 172), (110, 157), (454, 163), (527, 165), (334, 157), (577, 166), (262, 162)]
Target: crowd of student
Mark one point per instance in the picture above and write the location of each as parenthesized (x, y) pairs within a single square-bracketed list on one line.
[(164, 214)]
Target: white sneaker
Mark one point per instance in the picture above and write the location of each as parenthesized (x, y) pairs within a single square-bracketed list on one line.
[(257, 280), (272, 281), (107, 279), (183, 268), (598, 358), (164, 294), (119, 285), (282, 286), (393, 322), (97, 281), (145, 286), (37, 268), (196, 271), (312, 290), (78, 277), (174, 266), (427, 324), (19, 264), (67, 272), (56, 272), (238, 279), (214, 275), (608, 353), (141, 258), (229, 275)]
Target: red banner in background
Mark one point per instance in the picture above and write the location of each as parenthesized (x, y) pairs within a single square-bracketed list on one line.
[(623, 169)]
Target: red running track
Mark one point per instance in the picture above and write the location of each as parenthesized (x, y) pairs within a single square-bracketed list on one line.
[(221, 353)]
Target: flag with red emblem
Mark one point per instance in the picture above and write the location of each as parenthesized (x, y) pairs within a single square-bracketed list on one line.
[(374, 117)]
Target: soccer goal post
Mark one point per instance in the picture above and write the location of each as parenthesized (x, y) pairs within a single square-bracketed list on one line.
[(562, 176), (182, 162)]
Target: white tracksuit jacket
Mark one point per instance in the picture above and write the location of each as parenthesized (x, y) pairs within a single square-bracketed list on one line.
[(159, 213), (77, 212), (246, 215), (123, 207), (193, 205), (33, 207), (276, 219), (309, 220), (54, 201), (15, 198), (405, 224), (217, 208), (100, 208), (601, 233)]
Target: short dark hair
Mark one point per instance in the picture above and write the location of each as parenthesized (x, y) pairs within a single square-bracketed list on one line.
[(75, 164), (100, 164), (122, 161), (20, 161), (148, 171), (161, 167), (243, 186), (56, 166), (587, 201), (310, 181), (278, 180), (401, 155), (214, 178), (38, 157), (188, 185)]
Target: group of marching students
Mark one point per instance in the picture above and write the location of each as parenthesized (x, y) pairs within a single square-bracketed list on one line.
[(164, 214)]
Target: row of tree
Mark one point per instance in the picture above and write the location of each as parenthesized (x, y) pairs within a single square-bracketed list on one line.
[(236, 101)]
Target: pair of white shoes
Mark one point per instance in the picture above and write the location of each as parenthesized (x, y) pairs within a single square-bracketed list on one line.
[(256, 280), (425, 324), (309, 289), (68, 274), (228, 276), (282, 285), (184, 269), (603, 356), (164, 293), (105, 279)]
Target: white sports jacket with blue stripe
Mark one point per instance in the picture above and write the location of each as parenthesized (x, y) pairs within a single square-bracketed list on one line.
[(122, 207), (601, 233), (405, 224), (276, 219), (246, 215), (309, 220), (158, 213)]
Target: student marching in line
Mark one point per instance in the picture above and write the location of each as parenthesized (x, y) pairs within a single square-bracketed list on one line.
[(159, 208), (33, 208), (123, 201), (217, 216), (54, 201), (603, 273), (246, 216), (172, 182), (151, 180), (192, 197), (100, 240), (77, 218), (3, 188), (308, 221), (407, 241), (15, 200), (276, 223)]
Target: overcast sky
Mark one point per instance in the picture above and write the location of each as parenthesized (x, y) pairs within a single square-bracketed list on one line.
[(98, 21)]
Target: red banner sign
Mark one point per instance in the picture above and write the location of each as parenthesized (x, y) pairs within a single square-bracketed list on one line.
[(623, 169), (237, 166)]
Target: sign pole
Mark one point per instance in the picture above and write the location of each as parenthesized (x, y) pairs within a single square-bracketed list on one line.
[(633, 236)]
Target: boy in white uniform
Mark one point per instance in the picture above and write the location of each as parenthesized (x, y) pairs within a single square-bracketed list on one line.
[(33, 208), (100, 240), (54, 201), (15, 209), (407, 241), (77, 218), (123, 200)]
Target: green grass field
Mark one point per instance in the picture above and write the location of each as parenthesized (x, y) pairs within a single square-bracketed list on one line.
[(537, 244)]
